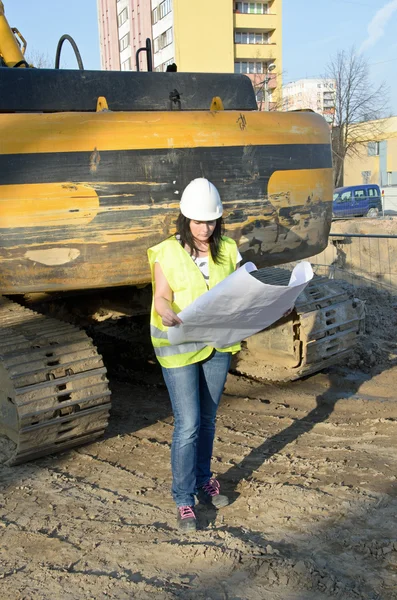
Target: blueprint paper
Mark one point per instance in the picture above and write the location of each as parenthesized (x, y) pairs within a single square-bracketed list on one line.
[(238, 307)]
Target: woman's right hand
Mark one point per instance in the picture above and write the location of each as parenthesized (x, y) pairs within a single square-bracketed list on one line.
[(170, 319), (163, 299)]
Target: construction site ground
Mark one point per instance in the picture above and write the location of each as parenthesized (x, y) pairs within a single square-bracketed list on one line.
[(310, 468)]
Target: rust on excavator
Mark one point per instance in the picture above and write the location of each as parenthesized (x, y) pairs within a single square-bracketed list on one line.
[(88, 206)]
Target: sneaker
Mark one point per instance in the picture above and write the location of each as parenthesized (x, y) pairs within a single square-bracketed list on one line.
[(209, 494), (186, 519)]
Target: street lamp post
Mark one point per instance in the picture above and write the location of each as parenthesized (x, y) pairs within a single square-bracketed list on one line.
[(269, 69)]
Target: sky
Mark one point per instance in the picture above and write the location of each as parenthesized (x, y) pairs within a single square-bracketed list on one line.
[(314, 35), (313, 31)]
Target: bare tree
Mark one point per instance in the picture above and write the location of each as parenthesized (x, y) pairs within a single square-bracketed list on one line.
[(40, 60), (357, 101)]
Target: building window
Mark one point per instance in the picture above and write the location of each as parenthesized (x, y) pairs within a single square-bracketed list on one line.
[(155, 15), (249, 67), (126, 65), (124, 42), (373, 148), (366, 175), (122, 17), (251, 37), (253, 8), (163, 40), (165, 8), (163, 67), (389, 177), (167, 63)]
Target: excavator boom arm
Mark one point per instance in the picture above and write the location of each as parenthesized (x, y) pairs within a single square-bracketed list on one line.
[(10, 51)]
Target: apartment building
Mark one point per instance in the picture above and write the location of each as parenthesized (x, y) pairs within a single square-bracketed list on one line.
[(124, 26), (219, 36), (315, 94)]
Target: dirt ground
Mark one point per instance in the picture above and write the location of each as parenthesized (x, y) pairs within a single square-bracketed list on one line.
[(310, 468)]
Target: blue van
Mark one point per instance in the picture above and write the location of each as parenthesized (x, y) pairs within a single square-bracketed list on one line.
[(357, 201)]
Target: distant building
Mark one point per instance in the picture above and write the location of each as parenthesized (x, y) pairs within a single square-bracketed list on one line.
[(124, 26), (218, 36), (315, 94), (376, 158)]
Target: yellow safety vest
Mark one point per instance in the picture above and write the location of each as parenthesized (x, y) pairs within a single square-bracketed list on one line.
[(187, 283)]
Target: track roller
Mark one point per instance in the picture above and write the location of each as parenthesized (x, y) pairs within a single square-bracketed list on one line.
[(53, 388), (322, 330)]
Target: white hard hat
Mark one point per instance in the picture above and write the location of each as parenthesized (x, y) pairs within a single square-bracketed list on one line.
[(201, 201)]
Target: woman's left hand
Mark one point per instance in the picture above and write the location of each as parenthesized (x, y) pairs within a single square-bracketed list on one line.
[(170, 319)]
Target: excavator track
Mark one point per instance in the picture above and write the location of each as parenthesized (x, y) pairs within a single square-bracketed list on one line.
[(53, 388), (322, 330)]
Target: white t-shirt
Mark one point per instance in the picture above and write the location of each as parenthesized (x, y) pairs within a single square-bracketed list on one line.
[(203, 263)]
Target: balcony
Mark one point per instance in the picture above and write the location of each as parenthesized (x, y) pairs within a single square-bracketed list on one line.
[(262, 52), (262, 22)]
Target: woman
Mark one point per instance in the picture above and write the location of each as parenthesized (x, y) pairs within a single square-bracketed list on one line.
[(185, 266)]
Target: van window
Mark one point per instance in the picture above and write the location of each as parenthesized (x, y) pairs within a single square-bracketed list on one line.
[(345, 197), (359, 194), (373, 193)]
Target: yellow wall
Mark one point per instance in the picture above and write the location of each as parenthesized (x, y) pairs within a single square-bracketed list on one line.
[(204, 36), (276, 38), (392, 154), (247, 22), (384, 129), (356, 165)]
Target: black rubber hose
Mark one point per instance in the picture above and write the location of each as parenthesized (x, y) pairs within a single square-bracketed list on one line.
[(75, 48), (20, 63)]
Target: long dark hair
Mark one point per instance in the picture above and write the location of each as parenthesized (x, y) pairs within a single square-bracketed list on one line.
[(187, 239)]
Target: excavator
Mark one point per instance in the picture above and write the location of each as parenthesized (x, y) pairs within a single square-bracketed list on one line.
[(92, 166)]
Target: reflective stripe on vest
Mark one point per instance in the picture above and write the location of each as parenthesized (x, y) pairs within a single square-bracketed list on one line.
[(178, 349), (174, 349), (158, 333)]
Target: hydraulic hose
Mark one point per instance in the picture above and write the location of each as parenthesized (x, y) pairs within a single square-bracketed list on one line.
[(20, 64), (75, 48)]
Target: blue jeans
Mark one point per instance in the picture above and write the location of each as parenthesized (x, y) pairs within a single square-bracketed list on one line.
[(195, 392)]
